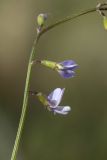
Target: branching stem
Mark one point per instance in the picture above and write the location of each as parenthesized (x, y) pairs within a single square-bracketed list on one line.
[(27, 84)]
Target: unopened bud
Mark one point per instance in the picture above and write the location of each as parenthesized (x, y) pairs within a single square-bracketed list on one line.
[(41, 18), (105, 22)]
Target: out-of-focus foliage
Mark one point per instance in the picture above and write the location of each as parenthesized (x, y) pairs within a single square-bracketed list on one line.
[(81, 135)]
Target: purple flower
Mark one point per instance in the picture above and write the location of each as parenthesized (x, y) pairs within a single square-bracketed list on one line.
[(54, 100), (66, 68)]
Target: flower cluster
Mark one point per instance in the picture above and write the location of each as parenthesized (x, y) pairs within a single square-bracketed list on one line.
[(66, 69), (52, 101)]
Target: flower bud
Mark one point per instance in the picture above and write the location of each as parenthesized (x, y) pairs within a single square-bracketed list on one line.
[(41, 19), (105, 22)]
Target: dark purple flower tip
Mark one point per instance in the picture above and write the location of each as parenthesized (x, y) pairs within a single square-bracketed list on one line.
[(67, 73)]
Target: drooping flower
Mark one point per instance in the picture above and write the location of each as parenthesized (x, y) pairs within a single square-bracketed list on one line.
[(65, 68), (52, 101)]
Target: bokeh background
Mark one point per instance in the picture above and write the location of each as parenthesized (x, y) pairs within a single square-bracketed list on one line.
[(81, 135)]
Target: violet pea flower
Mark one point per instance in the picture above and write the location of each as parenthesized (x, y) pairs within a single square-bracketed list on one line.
[(65, 68), (54, 100)]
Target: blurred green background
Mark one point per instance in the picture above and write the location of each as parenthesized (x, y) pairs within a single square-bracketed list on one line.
[(81, 135)]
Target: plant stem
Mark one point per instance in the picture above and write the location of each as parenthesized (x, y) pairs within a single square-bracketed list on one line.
[(25, 103), (27, 84), (70, 18)]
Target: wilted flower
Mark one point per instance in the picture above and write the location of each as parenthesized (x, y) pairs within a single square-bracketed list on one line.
[(65, 68), (53, 100)]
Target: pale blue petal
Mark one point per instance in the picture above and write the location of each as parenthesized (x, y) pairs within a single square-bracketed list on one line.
[(66, 108), (62, 110), (56, 97)]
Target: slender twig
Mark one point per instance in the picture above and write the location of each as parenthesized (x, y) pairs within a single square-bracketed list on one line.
[(27, 84)]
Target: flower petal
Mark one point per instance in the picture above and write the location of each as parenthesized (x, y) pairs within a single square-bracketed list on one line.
[(66, 108), (62, 110), (55, 97), (66, 73), (69, 64)]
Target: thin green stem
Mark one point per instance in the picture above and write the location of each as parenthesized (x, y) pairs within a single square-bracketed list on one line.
[(27, 84), (25, 102), (70, 18)]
